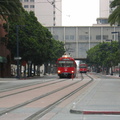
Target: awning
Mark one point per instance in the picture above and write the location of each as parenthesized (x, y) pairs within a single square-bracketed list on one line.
[(3, 59)]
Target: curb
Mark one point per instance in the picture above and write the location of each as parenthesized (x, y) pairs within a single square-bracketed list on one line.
[(95, 112)]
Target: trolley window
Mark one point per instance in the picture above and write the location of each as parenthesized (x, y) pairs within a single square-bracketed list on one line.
[(66, 64), (83, 66)]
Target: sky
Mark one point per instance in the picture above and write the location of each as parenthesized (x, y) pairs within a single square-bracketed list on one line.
[(80, 12)]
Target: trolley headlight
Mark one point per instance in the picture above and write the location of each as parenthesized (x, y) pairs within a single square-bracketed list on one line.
[(59, 71), (72, 71)]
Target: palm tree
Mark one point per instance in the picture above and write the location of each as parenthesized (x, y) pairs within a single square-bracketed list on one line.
[(11, 9), (114, 17)]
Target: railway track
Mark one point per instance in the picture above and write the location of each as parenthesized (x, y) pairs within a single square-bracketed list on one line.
[(26, 85), (22, 91), (51, 106), (48, 108)]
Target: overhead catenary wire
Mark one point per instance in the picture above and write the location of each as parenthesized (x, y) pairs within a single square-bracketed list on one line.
[(52, 3)]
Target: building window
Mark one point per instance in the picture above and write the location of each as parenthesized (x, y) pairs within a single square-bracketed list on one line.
[(26, 0), (83, 37), (31, 0), (104, 37), (98, 37), (32, 6), (26, 6), (69, 37), (21, 0)]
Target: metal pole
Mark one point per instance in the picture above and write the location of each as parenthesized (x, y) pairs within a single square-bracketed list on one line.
[(111, 56), (89, 37), (111, 59), (119, 69), (119, 45), (119, 48), (17, 51)]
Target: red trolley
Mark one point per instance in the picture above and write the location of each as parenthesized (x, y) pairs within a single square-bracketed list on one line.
[(66, 67), (83, 68)]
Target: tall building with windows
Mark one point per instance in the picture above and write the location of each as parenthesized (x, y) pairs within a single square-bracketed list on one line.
[(105, 11), (48, 12)]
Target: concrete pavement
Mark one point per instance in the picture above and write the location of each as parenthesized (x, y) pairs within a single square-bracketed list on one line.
[(102, 98)]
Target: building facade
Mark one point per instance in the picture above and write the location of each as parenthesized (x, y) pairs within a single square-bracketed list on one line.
[(105, 11), (5, 55), (48, 12), (78, 40)]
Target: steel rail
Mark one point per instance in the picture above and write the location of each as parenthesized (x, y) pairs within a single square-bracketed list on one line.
[(34, 99), (22, 86), (48, 108), (31, 89)]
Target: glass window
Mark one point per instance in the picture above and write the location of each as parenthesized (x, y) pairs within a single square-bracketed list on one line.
[(26, 0), (31, 0), (83, 66), (32, 6), (65, 64), (71, 37), (26, 6), (83, 37), (67, 37), (104, 37), (98, 37)]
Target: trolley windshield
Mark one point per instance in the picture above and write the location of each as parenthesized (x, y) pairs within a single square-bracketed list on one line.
[(65, 64), (83, 66)]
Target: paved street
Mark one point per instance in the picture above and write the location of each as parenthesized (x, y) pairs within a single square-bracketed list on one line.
[(100, 101)]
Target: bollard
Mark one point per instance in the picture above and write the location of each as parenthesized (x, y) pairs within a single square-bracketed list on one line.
[(72, 76)]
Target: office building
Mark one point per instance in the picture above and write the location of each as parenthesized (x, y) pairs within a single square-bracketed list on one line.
[(105, 11), (48, 12), (78, 40)]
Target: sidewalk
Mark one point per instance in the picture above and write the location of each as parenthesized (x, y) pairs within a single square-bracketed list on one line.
[(103, 97), (8, 79), (22, 78), (115, 75)]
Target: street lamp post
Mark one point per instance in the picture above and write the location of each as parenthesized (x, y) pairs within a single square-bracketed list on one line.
[(119, 49), (111, 54), (17, 44), (119, 46), (111, 60), (17, 58)]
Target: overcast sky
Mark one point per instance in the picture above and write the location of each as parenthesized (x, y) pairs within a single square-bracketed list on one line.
[(80, 12)]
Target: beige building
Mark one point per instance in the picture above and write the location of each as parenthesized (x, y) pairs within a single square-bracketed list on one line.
[(78, 40), (48, 12), (105, 11)]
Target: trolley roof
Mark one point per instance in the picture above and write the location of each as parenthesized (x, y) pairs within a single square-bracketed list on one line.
[(66, 58)]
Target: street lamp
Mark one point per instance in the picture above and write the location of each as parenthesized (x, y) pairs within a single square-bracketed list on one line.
[(119, 46), (111, 59), (17, 58)]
